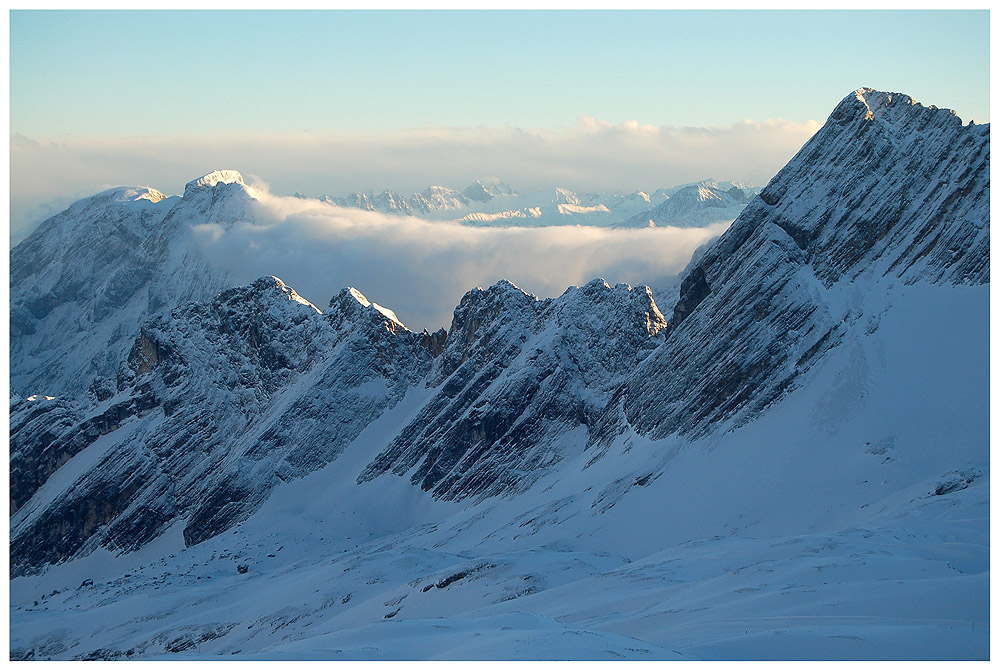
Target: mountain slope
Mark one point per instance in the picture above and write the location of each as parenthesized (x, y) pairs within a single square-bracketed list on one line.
[(789, 460), (779, 286), (515, 376), (95, 271), (218, 403), (813, 532)]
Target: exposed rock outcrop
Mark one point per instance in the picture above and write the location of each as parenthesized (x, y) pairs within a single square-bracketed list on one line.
[(218, 402)]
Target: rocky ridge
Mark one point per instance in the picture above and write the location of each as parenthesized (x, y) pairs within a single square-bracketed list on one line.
[(220, 399), (216, 403), (515, 376), (887, 188)]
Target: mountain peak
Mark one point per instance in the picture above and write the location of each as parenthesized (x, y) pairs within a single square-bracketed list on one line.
[(127, 194), (484, 190), (349, 298), (504, 287), (871, 104), (141, 196), (217, 177), (879, 100), (270, 286), (212, 180), (477, 192)]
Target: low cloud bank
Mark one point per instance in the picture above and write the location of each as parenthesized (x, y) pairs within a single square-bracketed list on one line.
[(421, 269), (592, 155)]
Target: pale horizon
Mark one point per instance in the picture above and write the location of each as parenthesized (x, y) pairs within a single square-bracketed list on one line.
[(610, 101)]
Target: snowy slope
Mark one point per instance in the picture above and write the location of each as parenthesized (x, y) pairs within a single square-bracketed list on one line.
[(95, 271), (787, 459), (809, 533)]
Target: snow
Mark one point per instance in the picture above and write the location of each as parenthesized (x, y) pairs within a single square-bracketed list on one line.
[(579, 477), (387, 312), (848, 555), (360, 298), (293, 296), (230, 181), (495, 204), (496, 216), (572, 208), (214, 178)]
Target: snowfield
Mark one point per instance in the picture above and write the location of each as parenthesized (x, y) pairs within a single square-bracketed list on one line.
[(811, 533)]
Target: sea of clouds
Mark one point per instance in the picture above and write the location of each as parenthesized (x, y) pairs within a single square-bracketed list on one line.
[(420, 269)]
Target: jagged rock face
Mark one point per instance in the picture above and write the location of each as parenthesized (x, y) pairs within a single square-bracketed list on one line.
[(217, 403), (434, 342), (515, 375), (886, 187), (44, 436), (887, 183)]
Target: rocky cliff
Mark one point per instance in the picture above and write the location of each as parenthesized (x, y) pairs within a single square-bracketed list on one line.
[(215, 404)]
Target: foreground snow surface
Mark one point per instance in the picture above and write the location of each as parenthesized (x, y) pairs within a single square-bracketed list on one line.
[(851, 521)]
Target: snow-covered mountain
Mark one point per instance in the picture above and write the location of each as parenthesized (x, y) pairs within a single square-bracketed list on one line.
[(493, 203), (83, 279), (694, 205), (787, 459), (243, 388), (432, 201)]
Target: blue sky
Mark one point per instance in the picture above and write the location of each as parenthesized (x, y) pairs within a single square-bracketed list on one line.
[(199, 72), (341, 101)]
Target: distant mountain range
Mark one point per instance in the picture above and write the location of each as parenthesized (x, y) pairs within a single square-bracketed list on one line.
[(489, 203)]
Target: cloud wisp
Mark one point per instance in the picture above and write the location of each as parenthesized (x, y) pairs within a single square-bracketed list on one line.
[(421, 269)]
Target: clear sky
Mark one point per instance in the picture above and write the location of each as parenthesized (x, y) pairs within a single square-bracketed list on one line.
[(100, 72)]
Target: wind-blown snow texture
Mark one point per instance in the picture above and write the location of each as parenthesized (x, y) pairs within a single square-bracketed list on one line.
[(788, 460)]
